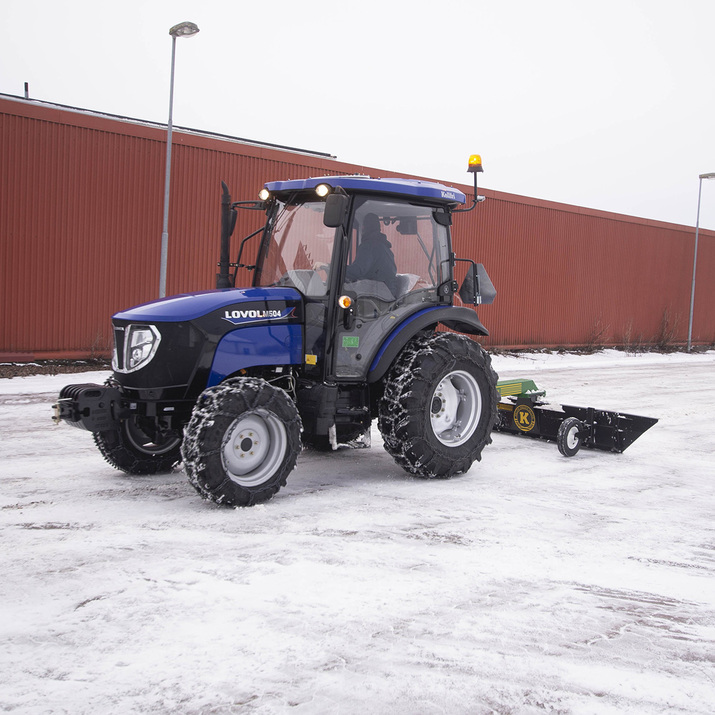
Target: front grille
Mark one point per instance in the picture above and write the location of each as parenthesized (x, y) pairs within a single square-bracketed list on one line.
[(118, 356)]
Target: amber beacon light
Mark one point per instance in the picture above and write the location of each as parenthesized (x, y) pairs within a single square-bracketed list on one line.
[(475, 164)]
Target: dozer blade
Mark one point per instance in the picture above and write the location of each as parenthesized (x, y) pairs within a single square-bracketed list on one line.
[(610, 431), (522, 411)]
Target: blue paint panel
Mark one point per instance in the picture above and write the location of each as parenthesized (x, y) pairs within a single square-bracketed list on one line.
[(193, 305), (261, 345), (397, 331), (405, 187)]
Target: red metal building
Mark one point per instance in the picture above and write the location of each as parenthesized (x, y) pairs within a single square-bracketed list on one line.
[(81, 205)]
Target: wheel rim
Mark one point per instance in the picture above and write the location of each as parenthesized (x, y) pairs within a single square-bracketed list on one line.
[(572, 438), (455, 408), (142, 442), (254, 448)]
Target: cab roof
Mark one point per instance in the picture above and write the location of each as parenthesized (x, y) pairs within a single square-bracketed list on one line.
[(409, 188)]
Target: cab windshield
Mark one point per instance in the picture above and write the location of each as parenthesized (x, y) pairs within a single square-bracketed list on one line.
[(397, 252), (299, 250)]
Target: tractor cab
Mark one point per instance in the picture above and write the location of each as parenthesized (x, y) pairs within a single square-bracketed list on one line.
[(366, 255)]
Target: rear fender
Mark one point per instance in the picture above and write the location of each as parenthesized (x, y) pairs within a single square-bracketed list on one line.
[(463, 320)]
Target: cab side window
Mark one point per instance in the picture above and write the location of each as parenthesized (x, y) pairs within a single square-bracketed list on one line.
[(396, 255)]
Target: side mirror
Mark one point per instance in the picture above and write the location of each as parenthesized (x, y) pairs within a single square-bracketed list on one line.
[(477, 288), (336, 207)]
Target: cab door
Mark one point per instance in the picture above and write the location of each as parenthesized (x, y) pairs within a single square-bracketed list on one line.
[(298, 251), (387, 279)]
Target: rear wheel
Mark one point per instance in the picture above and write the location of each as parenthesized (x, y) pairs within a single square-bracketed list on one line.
[(242, 442), (136, 448), (439, 405)]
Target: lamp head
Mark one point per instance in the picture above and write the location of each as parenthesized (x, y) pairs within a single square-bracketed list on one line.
[(184, 29)]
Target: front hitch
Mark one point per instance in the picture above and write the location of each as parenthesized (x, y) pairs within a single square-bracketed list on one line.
[(95, 408)]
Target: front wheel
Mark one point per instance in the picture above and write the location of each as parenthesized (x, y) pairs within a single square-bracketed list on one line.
[(242, 442), (439, 405), (136, 447)]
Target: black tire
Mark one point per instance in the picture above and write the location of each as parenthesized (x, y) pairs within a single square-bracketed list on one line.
[(132, 448), (242, 442), (568, 438), (439, 405)]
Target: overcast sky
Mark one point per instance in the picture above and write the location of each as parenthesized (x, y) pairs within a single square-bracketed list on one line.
[(608, 104)]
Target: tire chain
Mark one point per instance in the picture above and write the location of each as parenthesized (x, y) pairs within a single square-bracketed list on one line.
[(207, 408), (400, 382)]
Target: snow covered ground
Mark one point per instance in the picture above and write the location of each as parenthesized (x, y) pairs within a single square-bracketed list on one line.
[(533, 584)]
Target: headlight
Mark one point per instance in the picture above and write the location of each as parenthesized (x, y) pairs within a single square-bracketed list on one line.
[(140, 345)]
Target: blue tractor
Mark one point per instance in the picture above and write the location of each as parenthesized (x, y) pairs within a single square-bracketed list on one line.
[(351, 281)]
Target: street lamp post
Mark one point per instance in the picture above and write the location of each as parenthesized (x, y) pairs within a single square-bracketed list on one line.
[(695, 258), (183, 29)]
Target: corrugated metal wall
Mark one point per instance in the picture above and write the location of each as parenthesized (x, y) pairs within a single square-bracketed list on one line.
[(81, 205), (572, 277)]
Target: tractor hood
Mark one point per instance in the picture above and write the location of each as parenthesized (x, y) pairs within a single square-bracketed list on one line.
[(178, 345), (236, 306)]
